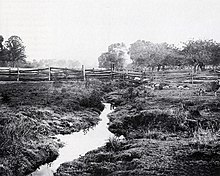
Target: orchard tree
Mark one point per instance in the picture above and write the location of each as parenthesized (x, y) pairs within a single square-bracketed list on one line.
[(147, 54), (164, 55), (200, 53), (172, 56), (115, 55), (215, 55), (15, 50), (142, 54)]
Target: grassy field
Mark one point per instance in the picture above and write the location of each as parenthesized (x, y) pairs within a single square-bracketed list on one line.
[(33, 112), (166, 132)]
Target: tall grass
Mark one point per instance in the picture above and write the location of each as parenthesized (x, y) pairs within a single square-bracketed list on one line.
[(16, 130), (114, 144), (204, 136)]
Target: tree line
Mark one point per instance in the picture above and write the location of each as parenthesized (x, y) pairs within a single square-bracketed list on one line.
[(156, 56), (12, 54), (143, 55)]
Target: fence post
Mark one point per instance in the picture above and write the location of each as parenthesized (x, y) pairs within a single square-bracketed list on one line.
[(143, 75), (49, 74), (126, 74), (112, 71), (65, 72), (18, 72), (83, 72)]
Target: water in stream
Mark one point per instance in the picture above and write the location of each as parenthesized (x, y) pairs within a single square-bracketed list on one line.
[(79, 143)]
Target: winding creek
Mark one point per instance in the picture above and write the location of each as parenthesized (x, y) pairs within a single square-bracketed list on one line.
[(79, 143)]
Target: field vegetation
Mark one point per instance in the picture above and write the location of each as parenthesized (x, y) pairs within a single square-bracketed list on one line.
[(33, 112), (172, 131)]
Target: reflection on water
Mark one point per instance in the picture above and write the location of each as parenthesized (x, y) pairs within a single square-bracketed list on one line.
[(79, 143)]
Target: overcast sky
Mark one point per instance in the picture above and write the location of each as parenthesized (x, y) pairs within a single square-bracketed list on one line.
[(83, 29)]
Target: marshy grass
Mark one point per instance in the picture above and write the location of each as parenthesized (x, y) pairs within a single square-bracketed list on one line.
[(114, 144), (204, 136), (16, 130), (25, 130)]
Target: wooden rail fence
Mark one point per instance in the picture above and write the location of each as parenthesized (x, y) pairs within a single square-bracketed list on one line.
[(56, 73)]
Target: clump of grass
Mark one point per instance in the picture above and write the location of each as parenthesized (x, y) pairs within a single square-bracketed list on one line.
[(155, 134), (114, 144), (107, 87), (93, 101), (204, 136)]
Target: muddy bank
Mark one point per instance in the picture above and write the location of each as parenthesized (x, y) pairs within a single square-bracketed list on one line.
[(77, 144), (145, 157), (167, 132), (33, 112)]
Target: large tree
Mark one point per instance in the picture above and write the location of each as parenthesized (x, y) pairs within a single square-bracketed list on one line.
[(199, 53), (4, 53), (215, 55), (16, 50), (106, 60), (147, 54), (140, 53), (115, 55), (1, 41)]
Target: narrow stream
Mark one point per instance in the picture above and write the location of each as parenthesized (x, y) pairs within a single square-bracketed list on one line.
[(79, 143)]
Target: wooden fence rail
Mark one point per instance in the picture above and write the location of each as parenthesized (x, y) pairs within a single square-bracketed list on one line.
[(56, 73)]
